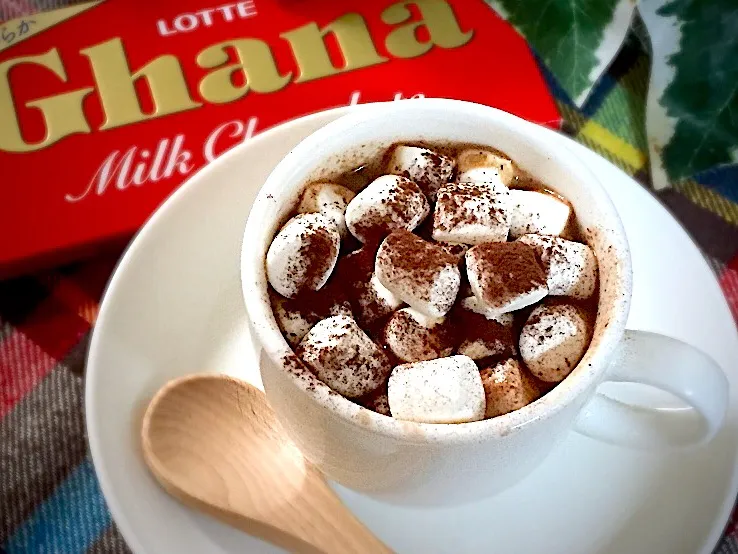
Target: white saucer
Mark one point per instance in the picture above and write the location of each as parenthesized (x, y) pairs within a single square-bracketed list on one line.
[(174, 307)]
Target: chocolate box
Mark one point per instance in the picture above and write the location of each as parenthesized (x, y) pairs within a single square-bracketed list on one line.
[(106, 107)]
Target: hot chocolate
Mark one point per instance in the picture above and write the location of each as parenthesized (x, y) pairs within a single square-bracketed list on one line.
[(440, 284)]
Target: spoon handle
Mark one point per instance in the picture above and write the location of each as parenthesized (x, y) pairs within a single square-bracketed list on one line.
[(329, 526), (317, 524)]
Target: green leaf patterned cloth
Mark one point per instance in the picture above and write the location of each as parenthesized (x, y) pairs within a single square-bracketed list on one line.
[(703, 95), (573, 38), (692, 115)]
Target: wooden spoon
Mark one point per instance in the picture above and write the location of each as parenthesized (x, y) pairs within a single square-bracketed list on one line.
[(214, 443)]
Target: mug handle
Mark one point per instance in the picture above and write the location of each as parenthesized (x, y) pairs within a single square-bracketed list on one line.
[(670, 365)]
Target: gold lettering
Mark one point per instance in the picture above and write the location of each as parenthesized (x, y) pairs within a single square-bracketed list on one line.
[(313, 59), (116, 85), (63, 114), (256, 62), (437, 17)]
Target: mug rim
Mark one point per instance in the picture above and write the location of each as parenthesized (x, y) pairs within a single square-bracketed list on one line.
[(263, 323)]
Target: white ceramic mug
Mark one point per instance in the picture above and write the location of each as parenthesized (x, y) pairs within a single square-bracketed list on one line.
[(430, 463)]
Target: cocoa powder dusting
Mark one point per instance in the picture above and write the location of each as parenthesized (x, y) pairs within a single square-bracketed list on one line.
[(318, 250), (431, 343), (377, 401), (357, 266), (398, 210), (466, 324), (506, 270), (429, 175), (456, 250), (452, 205), (351, 276), (346, 366), (419, 258)]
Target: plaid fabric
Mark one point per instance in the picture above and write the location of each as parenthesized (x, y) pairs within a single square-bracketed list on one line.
[(49, 497)]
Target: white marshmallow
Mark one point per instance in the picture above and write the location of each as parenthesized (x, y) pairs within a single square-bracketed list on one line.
[(483, 166), (505, 277), (376, 301), (471, 213), (387, 204), (553, 340), (293, 323), (444, 390), (571, 267), (508, 387), (303, 254), (414, 337), (330, 200), (473, 304), (343, 356), (421, 273), (428, 169), (537, 212)]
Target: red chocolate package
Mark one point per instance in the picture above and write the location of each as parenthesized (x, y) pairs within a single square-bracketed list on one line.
[(106, 107)]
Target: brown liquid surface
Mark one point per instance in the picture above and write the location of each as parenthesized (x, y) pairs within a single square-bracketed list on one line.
[(356, 263)]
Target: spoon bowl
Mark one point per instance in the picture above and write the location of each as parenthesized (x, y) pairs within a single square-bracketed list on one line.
[(213, 442)]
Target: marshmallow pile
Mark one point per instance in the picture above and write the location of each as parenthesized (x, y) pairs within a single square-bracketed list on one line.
[(465, 300)]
